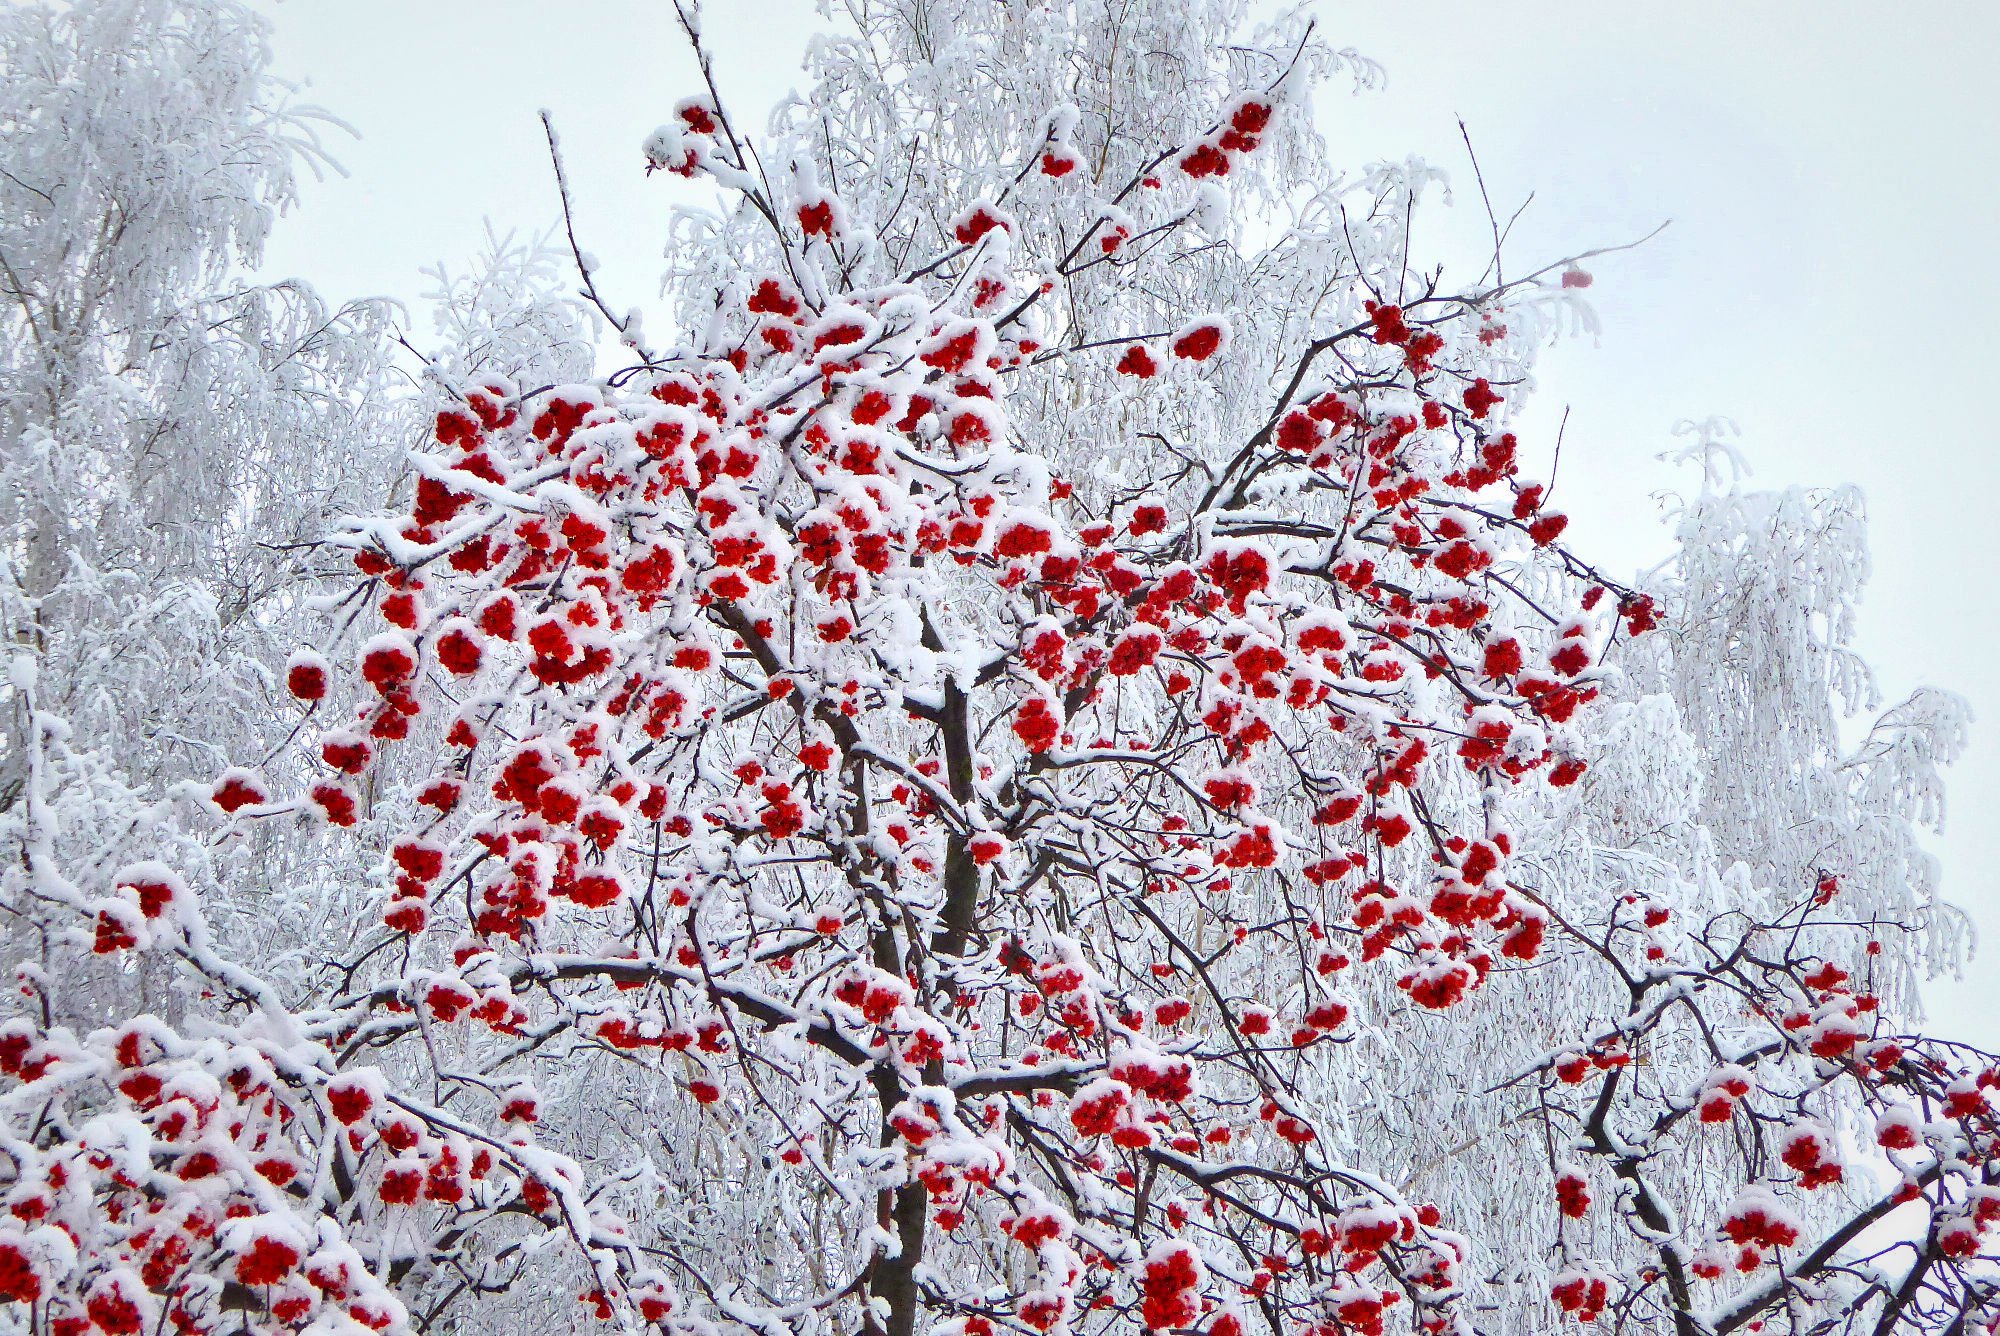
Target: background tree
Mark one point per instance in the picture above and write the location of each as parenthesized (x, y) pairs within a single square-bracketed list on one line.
[(177, 437), (172, 434), (1042, 766)]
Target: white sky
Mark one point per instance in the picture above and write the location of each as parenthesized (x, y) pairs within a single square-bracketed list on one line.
[(1828, 167)]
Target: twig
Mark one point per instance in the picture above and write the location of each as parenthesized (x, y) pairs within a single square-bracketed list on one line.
[(1487, 200), (583, 266)]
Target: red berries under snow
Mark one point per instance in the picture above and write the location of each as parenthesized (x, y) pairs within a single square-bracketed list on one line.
[(1480, 398), (1138, 362), (1438, 983), (1200, 341), (154, 885), (1572, 1194), (1760, 1220), (1036, 725), (388, 661), (816, 218), (1717, 1101), (1097, 1108), (20, 1281), (1205, 160), (1171, 1288), (336, 803), (981, 218), (306, 676), (1135, 650), (1250, 116), (1807, 1149), (1581, 1292), (236, 789), (351, 1098), (1898, 1128), (114, 1305), (458, 651), (267, 1257)]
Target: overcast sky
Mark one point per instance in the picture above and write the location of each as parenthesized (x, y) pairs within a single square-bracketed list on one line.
[(1828, 169)]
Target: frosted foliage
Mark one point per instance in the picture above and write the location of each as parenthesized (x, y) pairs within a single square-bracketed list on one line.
[(507, 314), (1761, 656), (1028, 761), (170, 436)]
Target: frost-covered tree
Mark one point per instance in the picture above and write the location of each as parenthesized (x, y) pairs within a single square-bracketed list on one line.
[(171, 434), (175, 437), (1037, 765)]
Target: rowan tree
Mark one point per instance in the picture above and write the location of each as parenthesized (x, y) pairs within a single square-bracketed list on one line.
[(1044, 765)]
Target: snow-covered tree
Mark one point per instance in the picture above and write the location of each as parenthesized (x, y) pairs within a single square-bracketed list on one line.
[(1038, 765), (172, 436)]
